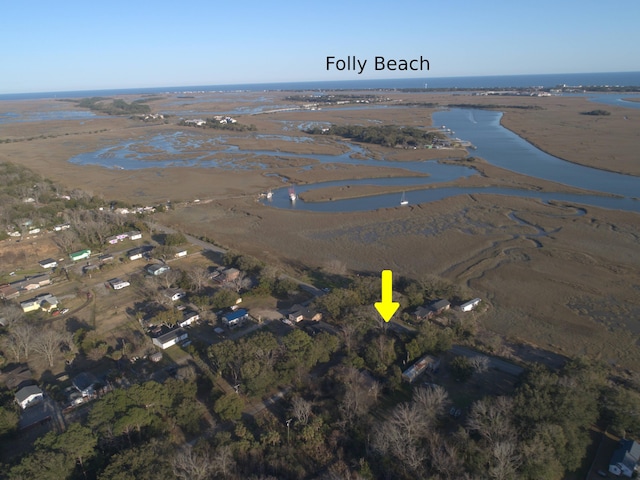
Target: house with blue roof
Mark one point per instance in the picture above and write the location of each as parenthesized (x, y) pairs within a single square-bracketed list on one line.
[(233, 319), (624, 460)]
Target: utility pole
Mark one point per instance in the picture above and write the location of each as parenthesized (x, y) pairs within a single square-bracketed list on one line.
[(288, 424)]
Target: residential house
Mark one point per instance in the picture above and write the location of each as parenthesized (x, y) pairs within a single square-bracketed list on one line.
[(61, 227), (170, 338), (7, 292), (107, 257), (118, 284), (188, 318), (137, 253), (175, 294), (425, 363), (32, 283), (80, 255), (181, 253), (89, 267), (114, 239), (48, 263), (30, 305), (157, 269), (85, 383), (224, 275), (439, 306), (624, 460), (423, 313), (470, 305), (299, 313), (134, 235), (47, 302), (28, 396), (233, 319)]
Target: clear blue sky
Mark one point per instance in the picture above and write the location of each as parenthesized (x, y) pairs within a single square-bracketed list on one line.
[(82, 45)]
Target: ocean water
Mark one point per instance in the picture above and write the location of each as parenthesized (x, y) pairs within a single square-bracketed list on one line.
[(503, 81)]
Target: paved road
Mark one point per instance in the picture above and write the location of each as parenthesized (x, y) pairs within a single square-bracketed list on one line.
[(494, 362), (195, 241)]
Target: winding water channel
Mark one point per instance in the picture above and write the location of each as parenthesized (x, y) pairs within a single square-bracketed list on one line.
[(499, 147), (482, 128)]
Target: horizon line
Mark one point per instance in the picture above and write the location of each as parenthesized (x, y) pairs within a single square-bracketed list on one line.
[(281, 82)]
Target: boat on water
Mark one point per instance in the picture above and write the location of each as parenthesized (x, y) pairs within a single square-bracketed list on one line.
[(269, 195), (293, 196), (403, 200)]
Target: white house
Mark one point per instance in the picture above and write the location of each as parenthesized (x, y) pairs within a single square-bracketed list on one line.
[(181, 253), (171, 338), (135, 235), (470, 305), (175, 294), (624, 460), (28, 396), (235, 318), (118, 284), (48, 263), (188, 318)]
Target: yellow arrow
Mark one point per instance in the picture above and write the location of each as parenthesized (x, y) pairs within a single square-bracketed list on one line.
[(386, 308)]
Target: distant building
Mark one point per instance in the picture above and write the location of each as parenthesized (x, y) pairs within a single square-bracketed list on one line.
[(181, 253), (28, 396), (175, 294), (188, 318), (299, 313), (85, 383), (170, 338), (118, 284), (46, 302), (624, 460), (107, 257), (80, 255), (233, 319), (48, 263), (418, 368), (156, 269), (439, 306), (470, 305), (7, 292), (137, 253)]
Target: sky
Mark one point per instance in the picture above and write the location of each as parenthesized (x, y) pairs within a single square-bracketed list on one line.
[(78, 45)]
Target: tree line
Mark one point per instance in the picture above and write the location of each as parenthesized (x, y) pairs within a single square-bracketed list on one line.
[(385, 135)]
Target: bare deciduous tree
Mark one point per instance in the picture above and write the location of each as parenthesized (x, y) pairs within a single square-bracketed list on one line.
[(360, 395), (239, 283), (301, 410), (444, 457), (492, 419), (431, 401), (506, 460), (169, 278), (49, 343), (20, 339), (223, 461), (198, 277), (349, 334), (65, 240), (191, 465), (480, 363), (11, 314)]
